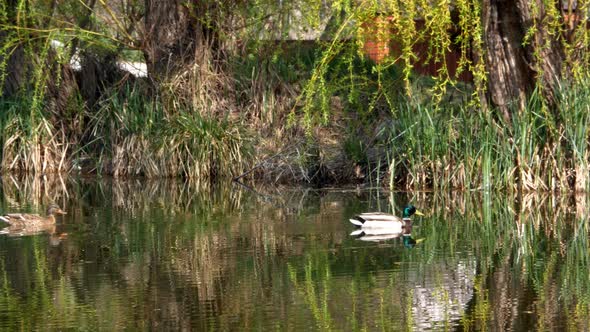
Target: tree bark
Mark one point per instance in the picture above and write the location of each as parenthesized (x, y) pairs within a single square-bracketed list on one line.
[(515, 70), (17, 68), (170, 37), (510, 78), (178, 34)]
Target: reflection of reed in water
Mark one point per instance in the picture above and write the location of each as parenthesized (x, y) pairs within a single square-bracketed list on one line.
[(530, 252), (205, 238), (173, 196), (34, 190), (214, 256), (172, 255), (520, 239)]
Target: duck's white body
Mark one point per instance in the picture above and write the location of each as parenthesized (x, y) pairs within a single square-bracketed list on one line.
[(380, 223)]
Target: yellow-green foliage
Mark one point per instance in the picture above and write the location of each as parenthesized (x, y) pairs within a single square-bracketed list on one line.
[(338, 84), (446, 25)]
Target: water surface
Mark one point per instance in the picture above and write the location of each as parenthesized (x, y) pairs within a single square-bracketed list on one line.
[(169, 255)]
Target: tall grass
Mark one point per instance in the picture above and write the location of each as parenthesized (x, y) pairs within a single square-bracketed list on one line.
[(136, 136), (30, 142), (128, 135), (258, 113), (464, 148)]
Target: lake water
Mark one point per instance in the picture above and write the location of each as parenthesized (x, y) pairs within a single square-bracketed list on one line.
[(143, 255)]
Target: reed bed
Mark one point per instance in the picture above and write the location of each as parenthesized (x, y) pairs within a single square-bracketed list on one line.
[(258, 119), (135, 138), (128, 135), (433, 147), (239, 100), (30, 142)]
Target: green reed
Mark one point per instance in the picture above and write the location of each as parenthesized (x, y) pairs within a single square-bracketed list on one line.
[(30, 141), (133, 135), (464, 148), (128, 135), (360, 122), (487, 243)]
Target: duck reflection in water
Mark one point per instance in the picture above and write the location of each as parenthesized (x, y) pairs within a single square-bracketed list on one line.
[(376, 235)]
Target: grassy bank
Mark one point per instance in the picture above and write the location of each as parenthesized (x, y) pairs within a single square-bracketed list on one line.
[(129, 134), (463, 148), (244, 90), (289, 115), (394, 142)]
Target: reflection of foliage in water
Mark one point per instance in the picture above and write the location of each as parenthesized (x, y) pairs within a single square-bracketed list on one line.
[(532, 257), (171, 255), (530, 254)]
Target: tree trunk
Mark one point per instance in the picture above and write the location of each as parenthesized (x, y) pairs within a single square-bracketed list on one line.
[(178, 34), (17, 68), (170, 37), (17, 72), (510, 78), (515, 70)]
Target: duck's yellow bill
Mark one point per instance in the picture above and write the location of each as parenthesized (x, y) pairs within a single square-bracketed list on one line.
[(420, 240), (418, 213)]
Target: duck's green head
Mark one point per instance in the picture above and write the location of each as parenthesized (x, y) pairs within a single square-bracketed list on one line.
[(411, 210)]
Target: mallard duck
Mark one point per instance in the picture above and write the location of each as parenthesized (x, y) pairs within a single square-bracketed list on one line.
[(378, 226), (384, 223), (21, 220)]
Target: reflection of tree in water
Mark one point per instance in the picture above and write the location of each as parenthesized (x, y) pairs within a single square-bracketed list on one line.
[(151, 236), (171, 255), (440, 293)]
